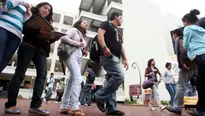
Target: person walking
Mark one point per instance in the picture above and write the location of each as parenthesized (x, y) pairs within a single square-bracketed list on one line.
[(35, 47), (14, 14), (76, 37), (50, 82), (110, 40), (87, 87), (170, 83), (151, 73), (194, 43), (187, 72)]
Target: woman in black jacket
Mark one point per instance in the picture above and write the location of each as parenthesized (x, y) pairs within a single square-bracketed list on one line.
[(35, 47)]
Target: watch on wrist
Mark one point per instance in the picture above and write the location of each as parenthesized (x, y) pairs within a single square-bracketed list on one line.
[(103, 48)]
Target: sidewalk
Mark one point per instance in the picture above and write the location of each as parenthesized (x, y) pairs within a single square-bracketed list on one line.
[(89, 111)]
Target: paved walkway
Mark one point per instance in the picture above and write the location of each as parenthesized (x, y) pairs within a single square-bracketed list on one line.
[(89, 111)]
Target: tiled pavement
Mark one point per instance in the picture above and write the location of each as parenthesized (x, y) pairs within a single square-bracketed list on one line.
[(89, 111)]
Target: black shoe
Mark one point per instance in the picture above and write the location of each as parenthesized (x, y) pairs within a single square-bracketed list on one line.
[(173, 111), (101, 106), (193, 113), (116, 113)]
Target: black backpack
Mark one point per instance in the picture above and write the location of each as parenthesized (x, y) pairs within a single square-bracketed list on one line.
[(95, 50)]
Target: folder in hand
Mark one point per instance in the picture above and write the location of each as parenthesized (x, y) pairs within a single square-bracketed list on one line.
[(41, 23), (56, 35)]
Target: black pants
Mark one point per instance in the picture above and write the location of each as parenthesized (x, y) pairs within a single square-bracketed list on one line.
[(59, 96), (26, 54), (200, 61)]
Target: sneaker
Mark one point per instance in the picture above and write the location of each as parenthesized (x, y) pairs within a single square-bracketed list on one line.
[(152, 108), (101, 106), (162, 108), (116, 113), (193, 112), (44, 99), (173, 111)]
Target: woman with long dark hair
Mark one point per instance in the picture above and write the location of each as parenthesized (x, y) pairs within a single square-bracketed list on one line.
[(35, 47), (151, 73), (75, 37), (194, 43)]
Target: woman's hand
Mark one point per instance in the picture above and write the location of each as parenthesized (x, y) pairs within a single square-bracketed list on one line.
[(85, 53)]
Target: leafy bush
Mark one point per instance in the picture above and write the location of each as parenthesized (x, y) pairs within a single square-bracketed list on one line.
[(127, 101), (20, 97), (164, 102)]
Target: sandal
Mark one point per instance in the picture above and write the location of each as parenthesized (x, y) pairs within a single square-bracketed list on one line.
[(77, 113), (66, 111), (39, 111)]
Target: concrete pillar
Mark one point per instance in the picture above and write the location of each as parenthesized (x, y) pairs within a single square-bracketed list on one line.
[(143, 39)]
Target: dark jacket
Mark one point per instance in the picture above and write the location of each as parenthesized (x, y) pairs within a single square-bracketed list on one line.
[(156, 71), (32, 36), (201, 22), (182, 56)]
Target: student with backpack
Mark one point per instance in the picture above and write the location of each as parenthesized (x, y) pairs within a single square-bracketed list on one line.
[(111, 50)]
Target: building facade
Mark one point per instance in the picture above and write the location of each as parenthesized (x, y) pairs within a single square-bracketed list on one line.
[(94, 12)]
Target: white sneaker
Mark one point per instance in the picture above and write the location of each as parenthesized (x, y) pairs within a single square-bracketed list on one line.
[(152, 108), (44, 99), (56, 102), (162, 108)]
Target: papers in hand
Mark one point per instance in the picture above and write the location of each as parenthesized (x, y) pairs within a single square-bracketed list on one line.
[(56, 35)]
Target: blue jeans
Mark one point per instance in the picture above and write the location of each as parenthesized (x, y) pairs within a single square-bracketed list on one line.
[(184, 77), (154, 95), (86, 94), (200, 61), (73, 88), (171, 88), (9, 43), (49, 93), (26, 54), (115, 78)]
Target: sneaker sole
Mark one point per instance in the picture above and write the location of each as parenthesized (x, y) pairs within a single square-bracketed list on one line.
[(12, 113)]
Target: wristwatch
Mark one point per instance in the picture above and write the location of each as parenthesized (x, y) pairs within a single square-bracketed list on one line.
[(103, 48)]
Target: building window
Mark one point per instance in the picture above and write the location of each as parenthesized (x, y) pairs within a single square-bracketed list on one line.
[(68, 20), (55, 28), (117, 1), (64, 30), (56, 17), (94, 29)]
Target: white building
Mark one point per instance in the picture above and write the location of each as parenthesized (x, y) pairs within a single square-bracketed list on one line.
[(94, 12), (146, 35)]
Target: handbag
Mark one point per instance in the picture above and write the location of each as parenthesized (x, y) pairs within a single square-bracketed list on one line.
[(64, 50), (148, 83)]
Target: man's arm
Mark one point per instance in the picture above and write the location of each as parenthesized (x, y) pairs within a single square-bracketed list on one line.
[(123, 54), (125, 62), (101, 38), (182, 52)]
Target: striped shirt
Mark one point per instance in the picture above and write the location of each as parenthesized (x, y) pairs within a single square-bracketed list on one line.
[(13, 16)]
